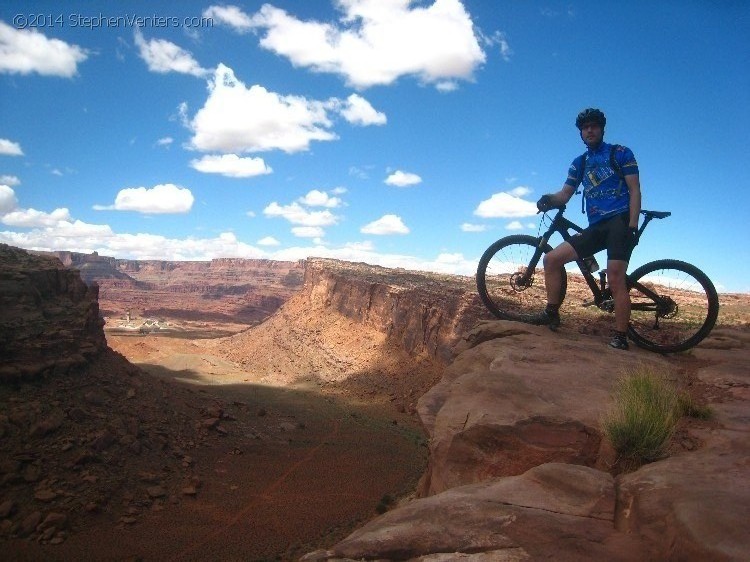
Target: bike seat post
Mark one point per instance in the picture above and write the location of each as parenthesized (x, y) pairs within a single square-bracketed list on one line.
[(646, 220)]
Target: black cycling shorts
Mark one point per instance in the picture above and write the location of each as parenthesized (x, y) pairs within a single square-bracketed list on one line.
[(610, 234)]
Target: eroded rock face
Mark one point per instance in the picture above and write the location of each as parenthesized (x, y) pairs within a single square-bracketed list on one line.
[(695, 506), (232, 290), (518, 399), (50, 319), (554, 511), (426, 314), (518, 470)]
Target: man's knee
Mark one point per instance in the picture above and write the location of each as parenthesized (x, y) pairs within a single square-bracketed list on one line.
[(558, 257), (616, 273)]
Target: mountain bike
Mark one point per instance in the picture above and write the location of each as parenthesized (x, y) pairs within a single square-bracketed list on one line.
[(674, 305)]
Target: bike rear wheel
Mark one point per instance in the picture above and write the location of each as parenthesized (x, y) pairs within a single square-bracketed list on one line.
[(674, 305), (501, 281)]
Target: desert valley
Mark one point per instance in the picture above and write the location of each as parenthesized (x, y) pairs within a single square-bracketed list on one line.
[(326, 410)]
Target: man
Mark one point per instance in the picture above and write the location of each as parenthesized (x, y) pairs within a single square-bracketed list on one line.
[(612, 192)]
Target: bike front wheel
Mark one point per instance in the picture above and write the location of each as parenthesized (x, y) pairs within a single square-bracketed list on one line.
[(506, 284), (674, 305)]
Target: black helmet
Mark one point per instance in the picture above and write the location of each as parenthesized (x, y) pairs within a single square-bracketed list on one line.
[(589, 115)]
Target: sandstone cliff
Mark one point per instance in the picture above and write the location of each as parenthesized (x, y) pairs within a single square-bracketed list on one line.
[(229, 290), (371, 333), (426, 314), (50, 319), (86, 438), (519, 470)]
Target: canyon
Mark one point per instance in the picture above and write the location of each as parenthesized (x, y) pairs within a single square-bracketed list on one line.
[(370, 378), (229, 290)]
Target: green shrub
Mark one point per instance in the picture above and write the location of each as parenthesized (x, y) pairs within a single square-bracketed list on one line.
[(643, 417), (687, 406)]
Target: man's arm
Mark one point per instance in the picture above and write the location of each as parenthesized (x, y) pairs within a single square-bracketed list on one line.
[(563, 196), (634, 187)]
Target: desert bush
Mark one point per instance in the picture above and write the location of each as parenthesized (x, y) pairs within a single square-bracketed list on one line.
[(642, 418), (687, 406)]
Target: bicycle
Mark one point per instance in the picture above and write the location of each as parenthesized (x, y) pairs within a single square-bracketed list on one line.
[(674, 305)]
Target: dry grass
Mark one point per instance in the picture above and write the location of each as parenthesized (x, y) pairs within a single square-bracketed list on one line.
[(642, 418)]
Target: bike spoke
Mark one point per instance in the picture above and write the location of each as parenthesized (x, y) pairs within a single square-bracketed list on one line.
[(509, 285), (669, 306)]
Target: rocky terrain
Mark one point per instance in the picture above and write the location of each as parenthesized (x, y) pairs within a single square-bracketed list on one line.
[(50, 319), (293, 434), (519, 469), (230, 290)]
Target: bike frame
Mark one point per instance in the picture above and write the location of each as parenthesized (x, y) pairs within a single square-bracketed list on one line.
[(600, 291)]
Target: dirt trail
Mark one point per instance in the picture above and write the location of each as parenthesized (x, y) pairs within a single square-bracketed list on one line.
[(297, 472)]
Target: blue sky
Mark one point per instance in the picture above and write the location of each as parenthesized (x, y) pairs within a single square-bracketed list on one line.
[(405, 134)]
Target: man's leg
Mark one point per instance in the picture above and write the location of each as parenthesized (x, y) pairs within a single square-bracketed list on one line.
[(553, 272), (553, 264), (616, 272)]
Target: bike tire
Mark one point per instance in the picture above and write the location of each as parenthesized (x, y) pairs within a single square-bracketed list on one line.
[(685, 313), (495, 278)]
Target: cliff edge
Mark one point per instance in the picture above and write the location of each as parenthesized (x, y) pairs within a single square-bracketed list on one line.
[(519, 470), (50, 319)]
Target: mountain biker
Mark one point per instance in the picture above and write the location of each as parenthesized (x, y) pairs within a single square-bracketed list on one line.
[(613, 203)]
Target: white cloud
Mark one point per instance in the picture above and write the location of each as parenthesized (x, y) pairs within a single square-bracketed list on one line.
[(403, 179), (469, 227), (366, 246), (165, 141), (520, 191), (8, 201), (506, 205), (268, 241), (377, 42), (10, 148), (387, 224), (317, 198), (77, 236), (86, 238), (446, 86), (515, 225), (164, 56), (31, 218), (358, 111), (501, 41), (360, 172), (308, 231), (160, 199), (298, 215), (231, 165), (240, 119), (9, 180), (232, 16), (23, 51)]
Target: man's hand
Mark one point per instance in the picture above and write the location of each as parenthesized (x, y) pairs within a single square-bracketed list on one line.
[(545, 203), (631, 237)]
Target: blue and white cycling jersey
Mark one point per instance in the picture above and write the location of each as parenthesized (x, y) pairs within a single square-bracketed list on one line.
[(606, 193)]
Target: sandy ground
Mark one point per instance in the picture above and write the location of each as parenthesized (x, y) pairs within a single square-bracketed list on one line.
[(314, 469)]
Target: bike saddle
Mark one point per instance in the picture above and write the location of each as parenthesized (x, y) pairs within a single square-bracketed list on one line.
[(656, 214)]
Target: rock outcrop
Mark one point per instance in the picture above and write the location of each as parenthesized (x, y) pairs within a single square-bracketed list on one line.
[(83, 433), (426, 314), (367, 332), (50, 319), (519, 469)]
